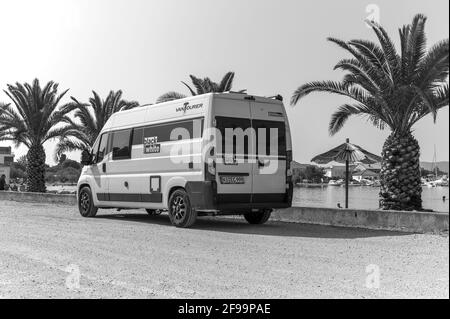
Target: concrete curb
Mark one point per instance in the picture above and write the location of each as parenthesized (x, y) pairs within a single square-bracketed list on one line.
[(413, 222), (39, 198)]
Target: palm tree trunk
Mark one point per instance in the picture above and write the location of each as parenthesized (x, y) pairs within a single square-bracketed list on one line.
[(400, 173), (36, 169)]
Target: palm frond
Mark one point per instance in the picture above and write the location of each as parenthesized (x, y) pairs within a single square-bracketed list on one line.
[(393, 60), (359, 75), (198, 84), (227, 82), (381, 76), (193, 93), (170, 96), (434, 67), (329, 87), (415, 44), (341, 116)]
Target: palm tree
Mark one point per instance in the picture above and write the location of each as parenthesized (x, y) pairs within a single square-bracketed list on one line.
[(201, 86), (36, 119), (392, 90), (92, 117)]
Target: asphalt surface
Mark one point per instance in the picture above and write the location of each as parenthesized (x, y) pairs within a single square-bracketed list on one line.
[(51, 251)]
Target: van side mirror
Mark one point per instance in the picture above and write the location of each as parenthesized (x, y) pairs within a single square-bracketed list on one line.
[(86, 158)]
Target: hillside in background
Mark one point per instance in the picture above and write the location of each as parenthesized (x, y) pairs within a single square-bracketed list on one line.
[(443, 166)]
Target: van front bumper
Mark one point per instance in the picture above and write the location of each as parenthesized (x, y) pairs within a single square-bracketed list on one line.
[(204, 196)]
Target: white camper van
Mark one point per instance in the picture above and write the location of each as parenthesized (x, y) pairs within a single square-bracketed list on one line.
[(212, 154)]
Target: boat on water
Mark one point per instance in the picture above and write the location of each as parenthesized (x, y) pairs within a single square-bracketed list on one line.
[(436, 180), (376, 183), (338, 182), (366, 182), (437, 183)]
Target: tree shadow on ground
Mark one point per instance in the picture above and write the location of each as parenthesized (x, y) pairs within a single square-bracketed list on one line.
[(238, 225)]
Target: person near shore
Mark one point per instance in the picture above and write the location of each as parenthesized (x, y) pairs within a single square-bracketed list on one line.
[(2, 182)]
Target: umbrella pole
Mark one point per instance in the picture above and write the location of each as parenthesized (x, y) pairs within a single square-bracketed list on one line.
[(346, 182)]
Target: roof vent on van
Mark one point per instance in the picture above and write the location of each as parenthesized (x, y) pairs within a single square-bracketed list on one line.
[(276, 97)]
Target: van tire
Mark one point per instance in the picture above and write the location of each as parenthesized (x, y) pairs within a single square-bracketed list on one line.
[(86, 203), (181, 213), (258, 218)]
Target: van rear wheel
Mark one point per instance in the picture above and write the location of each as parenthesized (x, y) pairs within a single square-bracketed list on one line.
[(86, 203), (181, 213), (258, 218)]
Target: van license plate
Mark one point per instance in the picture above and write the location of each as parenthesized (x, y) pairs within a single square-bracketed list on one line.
[(232, 180)]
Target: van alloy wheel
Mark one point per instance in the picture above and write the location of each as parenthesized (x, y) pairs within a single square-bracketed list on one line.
[(181, 212), (179, 207), (86, 203)]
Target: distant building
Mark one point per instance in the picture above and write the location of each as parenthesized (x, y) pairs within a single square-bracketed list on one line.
[(6, 159), (367, 171), (337, 170), (367, 174), (357, 170)]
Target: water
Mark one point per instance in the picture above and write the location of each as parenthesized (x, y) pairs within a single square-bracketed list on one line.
[(363, 197), (359, 196)]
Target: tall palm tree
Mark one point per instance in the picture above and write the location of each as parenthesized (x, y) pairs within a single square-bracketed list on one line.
[(35, 119), (201, 86), (92, 117), (392, 90)]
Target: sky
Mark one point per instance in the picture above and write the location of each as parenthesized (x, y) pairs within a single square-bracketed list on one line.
[(146, 47)]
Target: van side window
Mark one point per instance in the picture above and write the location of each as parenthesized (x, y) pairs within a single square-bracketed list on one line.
[(103, 148), (164, 132), (121, 145)]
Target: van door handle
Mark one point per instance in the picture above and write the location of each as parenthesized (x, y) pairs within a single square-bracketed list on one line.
[(260, 163), (263, 163), (104, 167)]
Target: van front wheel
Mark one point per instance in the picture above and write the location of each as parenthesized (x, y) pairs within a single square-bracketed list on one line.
[(86, 203), (181, 213), (258, 218)]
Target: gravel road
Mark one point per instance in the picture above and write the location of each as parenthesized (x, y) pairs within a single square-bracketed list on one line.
[(45, 248)]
